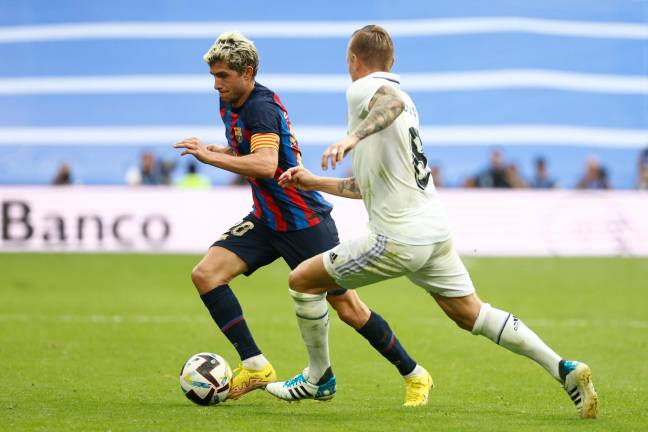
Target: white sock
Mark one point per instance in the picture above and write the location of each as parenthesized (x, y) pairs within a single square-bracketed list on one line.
[(312, 318), (418, 371), (256, 362), (510, 332)]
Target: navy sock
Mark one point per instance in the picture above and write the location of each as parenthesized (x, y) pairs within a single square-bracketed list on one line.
[(228, 315), (381, 337)]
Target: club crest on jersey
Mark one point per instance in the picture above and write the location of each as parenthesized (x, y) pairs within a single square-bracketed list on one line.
[(238, 134)]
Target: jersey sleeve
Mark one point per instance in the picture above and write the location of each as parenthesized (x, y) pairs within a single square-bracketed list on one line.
[(359, 94), (263, 118)]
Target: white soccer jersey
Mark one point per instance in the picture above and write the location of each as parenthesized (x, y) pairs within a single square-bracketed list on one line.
[(391, 170)]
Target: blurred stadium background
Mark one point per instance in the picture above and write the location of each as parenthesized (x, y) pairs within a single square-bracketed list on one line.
[(94, 85)]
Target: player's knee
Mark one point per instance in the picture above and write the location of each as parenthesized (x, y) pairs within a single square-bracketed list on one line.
[(204, 280), (199, 277), (296, 280)]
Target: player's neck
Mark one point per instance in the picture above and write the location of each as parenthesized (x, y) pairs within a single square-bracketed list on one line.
[(244, 97)]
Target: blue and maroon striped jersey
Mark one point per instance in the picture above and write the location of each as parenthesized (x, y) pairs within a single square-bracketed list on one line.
[(280, 209)]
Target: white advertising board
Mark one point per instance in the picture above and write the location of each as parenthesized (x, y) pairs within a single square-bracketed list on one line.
[(167, 220)]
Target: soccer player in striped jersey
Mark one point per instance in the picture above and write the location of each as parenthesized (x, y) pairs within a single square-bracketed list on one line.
[(409, 234), (285, 222)]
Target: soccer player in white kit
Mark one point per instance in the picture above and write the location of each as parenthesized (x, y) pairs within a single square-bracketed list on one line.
[(409, 234)]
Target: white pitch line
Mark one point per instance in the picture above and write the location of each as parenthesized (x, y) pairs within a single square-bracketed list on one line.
[(104, 319), (321, 29), (333, 83), (183, 319), (319, 135)]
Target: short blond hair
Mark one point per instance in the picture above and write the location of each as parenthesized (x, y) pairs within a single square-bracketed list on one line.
[(373, 45), (235, 50)]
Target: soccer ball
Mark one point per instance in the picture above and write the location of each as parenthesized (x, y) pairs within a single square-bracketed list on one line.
[(205, 379)]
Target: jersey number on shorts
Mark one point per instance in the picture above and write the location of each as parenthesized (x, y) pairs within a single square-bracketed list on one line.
[(242, 228), (421, 170)]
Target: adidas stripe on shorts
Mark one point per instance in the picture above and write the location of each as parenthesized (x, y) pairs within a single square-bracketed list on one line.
[(436, 267)]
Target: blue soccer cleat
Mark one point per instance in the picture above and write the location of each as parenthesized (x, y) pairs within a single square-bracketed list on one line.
[(299, 388)]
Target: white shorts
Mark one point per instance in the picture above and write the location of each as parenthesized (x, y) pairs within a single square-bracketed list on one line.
[(436, 268)]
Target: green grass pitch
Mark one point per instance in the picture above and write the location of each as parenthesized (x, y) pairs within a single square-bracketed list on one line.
[(96, 342)]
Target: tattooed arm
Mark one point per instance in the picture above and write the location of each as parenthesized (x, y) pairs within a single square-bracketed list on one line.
[(348, 188), (385, 106), (302, 179)]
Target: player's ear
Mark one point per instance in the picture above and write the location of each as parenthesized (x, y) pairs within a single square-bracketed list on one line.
[(248, 73)]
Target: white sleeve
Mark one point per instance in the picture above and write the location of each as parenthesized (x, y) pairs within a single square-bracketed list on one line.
[(360, 94)]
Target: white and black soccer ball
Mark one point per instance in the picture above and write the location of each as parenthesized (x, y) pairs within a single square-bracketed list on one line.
[(205, 379)]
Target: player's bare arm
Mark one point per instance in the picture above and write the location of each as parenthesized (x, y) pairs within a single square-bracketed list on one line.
[(262, 163), (348, 187), (218, 148), (385, 106), (301, 178)]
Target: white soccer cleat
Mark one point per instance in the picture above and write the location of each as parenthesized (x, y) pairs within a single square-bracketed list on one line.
[(578, 384), (299, 388)]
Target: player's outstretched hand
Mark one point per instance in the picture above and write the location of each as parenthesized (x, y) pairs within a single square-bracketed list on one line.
[(298, 177), (336, 151), (195, 147)]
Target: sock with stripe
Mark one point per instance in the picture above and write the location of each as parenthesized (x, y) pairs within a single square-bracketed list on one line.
[(226, 312), (313, 320), (510, 332), (381, 337)]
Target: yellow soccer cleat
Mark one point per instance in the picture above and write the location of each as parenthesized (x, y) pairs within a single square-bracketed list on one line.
[(245, 380), (417, 389)]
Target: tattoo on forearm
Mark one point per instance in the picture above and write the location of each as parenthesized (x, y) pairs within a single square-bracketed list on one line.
[(384, 107), (348, 185)]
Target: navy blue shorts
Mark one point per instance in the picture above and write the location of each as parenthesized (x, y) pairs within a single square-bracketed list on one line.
[(257, 245)]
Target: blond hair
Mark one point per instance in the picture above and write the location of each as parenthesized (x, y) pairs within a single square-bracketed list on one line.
[(373, 45), (235, 50)]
